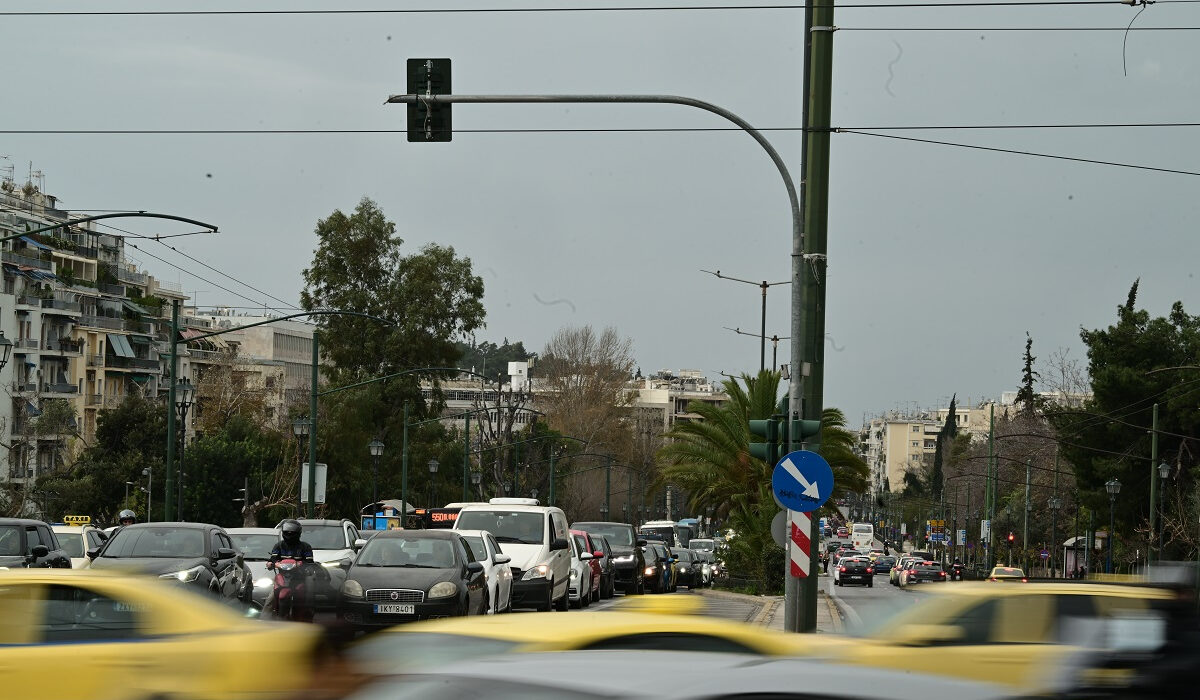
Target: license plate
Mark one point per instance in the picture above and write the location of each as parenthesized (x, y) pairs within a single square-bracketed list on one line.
[(396, 609)]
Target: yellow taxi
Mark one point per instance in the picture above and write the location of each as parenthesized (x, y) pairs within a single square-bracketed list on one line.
[(1011, 635), (77, 535), (1007, 573), (91, 634), (661, 623)]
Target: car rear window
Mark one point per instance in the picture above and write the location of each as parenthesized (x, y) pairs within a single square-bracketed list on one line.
[(929, 566), (72, 544)]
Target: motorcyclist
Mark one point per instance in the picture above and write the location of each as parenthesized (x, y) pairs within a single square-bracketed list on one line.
[(290, 546), (956, 569)]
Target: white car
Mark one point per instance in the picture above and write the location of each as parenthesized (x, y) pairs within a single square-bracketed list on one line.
[(581, 574), (495, 567), (334, 548), (76, 540)]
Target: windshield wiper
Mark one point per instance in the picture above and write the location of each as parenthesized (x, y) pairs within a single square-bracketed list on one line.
[(506, 538)]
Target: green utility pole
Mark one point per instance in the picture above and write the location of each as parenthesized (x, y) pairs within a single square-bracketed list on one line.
[(310, 511), (1028, 506), (172, 371), (989, 507), (1154, 485), (607, 486), (466, 454), (404, 470)]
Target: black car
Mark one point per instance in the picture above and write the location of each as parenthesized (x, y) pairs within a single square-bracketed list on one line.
[(29, 544), (608, 570), (688, 568), (627, 556), (883, 565), (925, 571), (855, 570), (403, 575), (195, 554)]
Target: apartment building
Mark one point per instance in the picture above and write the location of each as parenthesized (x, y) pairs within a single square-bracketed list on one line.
[(671, 393)]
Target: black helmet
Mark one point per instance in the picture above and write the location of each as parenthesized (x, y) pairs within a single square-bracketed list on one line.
[(127, 515), (291, 531)]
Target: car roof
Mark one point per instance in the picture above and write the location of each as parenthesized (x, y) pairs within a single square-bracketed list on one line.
[(21, 521), (318, 521), (179, 525), (418, 534), (473, 533), (252, 531), (589, 523)]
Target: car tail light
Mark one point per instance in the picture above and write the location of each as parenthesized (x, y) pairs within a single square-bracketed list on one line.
[(842, 569), (1024, 580), (943, 574), (992, 578)]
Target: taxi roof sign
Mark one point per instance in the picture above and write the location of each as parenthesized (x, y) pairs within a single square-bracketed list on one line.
[(77, 519)]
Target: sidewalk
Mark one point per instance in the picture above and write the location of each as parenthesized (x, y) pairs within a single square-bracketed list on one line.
[(768, 610)]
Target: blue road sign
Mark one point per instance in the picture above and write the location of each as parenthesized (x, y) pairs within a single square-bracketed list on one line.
[(802, 481)]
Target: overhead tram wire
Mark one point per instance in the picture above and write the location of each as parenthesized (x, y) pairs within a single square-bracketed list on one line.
[(564, 10), (258, 304)]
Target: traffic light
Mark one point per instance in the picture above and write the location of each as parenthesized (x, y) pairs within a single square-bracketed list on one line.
[(768, 430), (429, 121), (1011, 539), (805, 432)]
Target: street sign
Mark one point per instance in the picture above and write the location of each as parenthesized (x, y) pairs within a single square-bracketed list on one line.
[(320, 490), (1044, 554), (802, 481), (962, 536), (800, 547), (779, 529), (985, 530)]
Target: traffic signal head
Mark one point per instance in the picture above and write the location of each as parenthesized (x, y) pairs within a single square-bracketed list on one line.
[(1011, 537), (427, 120), (768, 430)]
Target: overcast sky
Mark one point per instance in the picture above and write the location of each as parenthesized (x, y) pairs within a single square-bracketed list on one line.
[(940, 258)]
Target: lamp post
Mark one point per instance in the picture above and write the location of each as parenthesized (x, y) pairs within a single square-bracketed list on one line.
[(1054, 504), (127, 485), (6, 347), (376, 448), (476, 477), (1113, 486), (185, 394), (1164, 470), (604, 513), (433, 467), (624, 512), (533, 494), (300, 428), (149, 490)]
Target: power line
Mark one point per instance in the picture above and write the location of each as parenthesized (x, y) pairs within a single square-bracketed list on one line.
[(229, 276), (1019, 152), (560, 10), (1017, 29), (257, 303)]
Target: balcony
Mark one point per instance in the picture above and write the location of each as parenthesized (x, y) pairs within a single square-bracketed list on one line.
[(206, 355), (92, 400), (65, 345), (18, 259), (95, 360), (29, 300), (125, 274), (24, 387), (118, 362), (105, 322), (169, 286), (26, 344), (139, 327), (70, 308), (59, 388), (107, 288)]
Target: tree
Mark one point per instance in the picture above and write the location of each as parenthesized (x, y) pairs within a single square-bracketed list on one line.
[(487, 357), (239, 455), (1027, 397)]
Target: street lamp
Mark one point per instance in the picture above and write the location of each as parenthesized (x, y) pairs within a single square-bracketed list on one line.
[(376, 448), (604, 513), (1054, 504), (127, 485), (533, 494), (6, 347), (149, 489), (1113, 486), (476, 477), (1164, 470), (185, 393), (433, 467)]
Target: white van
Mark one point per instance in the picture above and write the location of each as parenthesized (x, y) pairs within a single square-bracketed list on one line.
[(536, 537)]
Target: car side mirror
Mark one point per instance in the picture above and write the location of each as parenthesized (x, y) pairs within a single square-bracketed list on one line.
[(93, 553), (640, 543), (585, 556), (474, 567), (39, 551), (597, 555), (557, 544), (926, 635), (358, 544), (503, 559), (226, 553)]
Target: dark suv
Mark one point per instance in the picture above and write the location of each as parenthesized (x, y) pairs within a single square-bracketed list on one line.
[(28, 544), (195, 554), (627, 556)]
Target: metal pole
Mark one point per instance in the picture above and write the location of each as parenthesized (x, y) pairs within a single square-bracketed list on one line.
[(1053, 540), (404, 469), (629, 490), (762, 341), (990, 506), (466, 455), (375, 484), (607, 484), (1162, 526), (182, 445), (550, 501), (1112, 502), (312, 433), (1028, 507), (172, 373), (1154, 485), (1090, 534)]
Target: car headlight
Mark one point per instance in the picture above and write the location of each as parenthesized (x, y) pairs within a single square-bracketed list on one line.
[(650, 570), (539, 571), (185, 576), (445, 589), (352, 589), (627, 559), (264, 582)]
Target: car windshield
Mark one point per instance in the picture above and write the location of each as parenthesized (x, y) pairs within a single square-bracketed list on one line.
[(406, 552), (10, 541), (477, 547), (324, 536), (255, 547), (71, 543), (885, 561), (156, 543), (519, 527), (683, 555), (618, 535), (701, 545)]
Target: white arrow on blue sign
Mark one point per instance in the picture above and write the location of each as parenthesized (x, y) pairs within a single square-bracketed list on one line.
[(802, 481)]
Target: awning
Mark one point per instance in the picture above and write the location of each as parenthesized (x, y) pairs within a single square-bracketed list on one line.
[(34, 243), (188, 333), (141, 339), (134, 308), (120, 345), (31, 410), (35, 274)]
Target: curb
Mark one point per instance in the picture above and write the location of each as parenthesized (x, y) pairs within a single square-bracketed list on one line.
[(744, 597), (835, 613), (845, 612)]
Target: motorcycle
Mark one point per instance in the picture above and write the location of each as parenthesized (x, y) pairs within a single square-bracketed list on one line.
[(290, 599), (957, 571)]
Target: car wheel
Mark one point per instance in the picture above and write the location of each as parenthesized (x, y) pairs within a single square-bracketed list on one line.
[(486, 607), (563, 603), (870, 584)]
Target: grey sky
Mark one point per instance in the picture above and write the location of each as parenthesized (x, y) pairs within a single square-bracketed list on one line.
[(940, 259)]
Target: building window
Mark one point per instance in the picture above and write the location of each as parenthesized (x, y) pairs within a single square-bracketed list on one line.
[(916, 443), (916, 428)]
